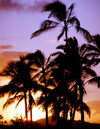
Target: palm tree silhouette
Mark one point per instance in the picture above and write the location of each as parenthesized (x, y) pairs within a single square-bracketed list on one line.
[(76, 62), (93, 49), (64, 18), (38, 60), (21, 84)]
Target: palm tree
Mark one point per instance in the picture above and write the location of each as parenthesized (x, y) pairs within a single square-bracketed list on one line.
[(64, 18), (12, 88), (78, 64), (20, 85), (38, 60), (96, 43), (93, 49)]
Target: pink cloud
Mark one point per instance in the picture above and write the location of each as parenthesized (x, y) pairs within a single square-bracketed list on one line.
[(10, 5), (16, 5)]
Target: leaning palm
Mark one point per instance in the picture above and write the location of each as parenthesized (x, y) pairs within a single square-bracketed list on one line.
[(39, 61), (64, 18)]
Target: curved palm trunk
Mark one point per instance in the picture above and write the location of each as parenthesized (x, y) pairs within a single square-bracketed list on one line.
[(26, 115), (46, 105)]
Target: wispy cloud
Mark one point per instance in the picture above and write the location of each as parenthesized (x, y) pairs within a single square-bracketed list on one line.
[(10, 5), (6, 46), (5, 38), (16, 5)]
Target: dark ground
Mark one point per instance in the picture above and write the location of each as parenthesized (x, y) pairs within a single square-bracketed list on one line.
[(61, 126)]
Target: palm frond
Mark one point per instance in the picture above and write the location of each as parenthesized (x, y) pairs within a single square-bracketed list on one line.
[(11, 101), (96, 41), (95, 80), (48, 23), (92, 48), (87, 109), (21, 98), (89, 71), (41, 100), (57, 53), (31, 102), (75, 21), (42, 30), (83, 47), (61, 34), (92, 54), (72, 7), (6, 89), (70, 10), (95, 61), (63, 47), (57, 9), (85, 33), (48, 60)]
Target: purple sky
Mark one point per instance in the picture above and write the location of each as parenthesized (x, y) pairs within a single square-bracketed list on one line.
[(19, 18)]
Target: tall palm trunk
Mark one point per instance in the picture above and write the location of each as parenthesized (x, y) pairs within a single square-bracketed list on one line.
[(73, 115), (30, 104), (26, 115), (75, 103), (64, 113), (81, 101), (46, 105), (58, 118)]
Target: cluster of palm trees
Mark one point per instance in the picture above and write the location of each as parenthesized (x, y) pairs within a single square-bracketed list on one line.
[(62, 77)]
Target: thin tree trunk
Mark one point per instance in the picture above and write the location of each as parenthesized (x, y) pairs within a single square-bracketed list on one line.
[(58, 111), (26, 115), (73, 115), (64, 113), (46, 105), (82, 111), (58, 119), (75, 103), (81, 102), (30, 104), (31, 115)]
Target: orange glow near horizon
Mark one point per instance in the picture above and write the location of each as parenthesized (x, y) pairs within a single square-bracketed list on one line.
[(11, 112)]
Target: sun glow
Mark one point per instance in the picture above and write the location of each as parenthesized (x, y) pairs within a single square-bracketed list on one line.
[(11, 111), (37, 113)]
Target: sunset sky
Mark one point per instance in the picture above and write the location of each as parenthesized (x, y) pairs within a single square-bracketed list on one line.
[(19, 18)]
